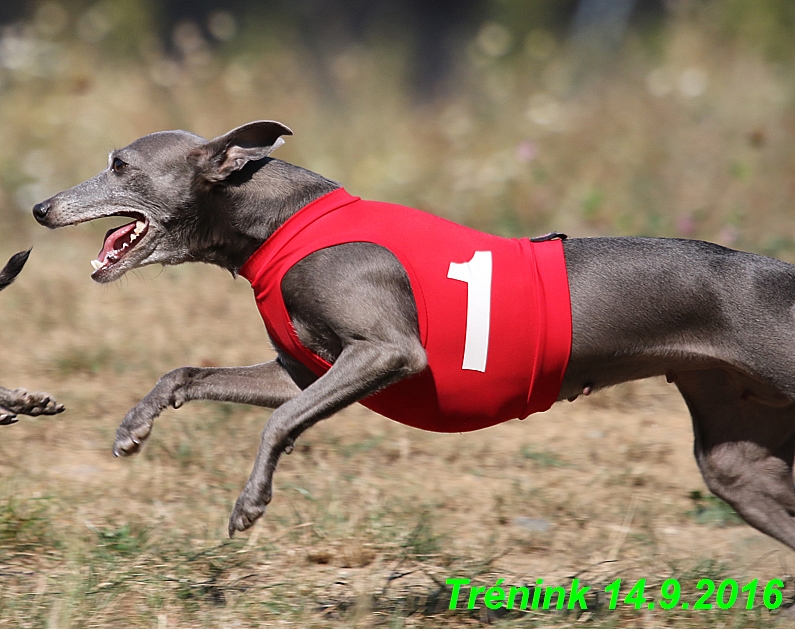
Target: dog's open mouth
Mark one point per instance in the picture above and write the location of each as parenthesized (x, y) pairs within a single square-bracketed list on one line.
[(119, 242)]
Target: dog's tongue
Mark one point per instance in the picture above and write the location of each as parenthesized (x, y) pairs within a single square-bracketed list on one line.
[(112, 237), (118, 242)]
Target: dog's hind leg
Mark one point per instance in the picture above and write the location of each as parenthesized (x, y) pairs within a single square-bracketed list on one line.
[(744, 446)]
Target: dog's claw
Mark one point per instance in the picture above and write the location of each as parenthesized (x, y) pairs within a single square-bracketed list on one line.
[(126, 447), (129, 442), (246, 513), (242, 522), (6, 418)]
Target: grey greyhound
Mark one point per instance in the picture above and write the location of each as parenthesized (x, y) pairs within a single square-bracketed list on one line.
[(15, 402), (718, 323)]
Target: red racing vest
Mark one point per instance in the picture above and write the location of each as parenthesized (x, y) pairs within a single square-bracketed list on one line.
[(494, 313)]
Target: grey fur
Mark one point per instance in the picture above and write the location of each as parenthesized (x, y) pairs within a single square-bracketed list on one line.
[(15, 402), (717, 322)]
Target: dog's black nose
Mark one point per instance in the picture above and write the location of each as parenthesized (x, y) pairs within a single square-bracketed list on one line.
[(40, 211)]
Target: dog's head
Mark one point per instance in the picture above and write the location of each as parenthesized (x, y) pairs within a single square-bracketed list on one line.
[(162, 181)]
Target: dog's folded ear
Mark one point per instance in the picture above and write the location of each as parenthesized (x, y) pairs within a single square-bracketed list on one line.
[(216, 159)]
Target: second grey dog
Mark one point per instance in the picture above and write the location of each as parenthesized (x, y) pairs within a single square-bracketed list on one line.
[(15, 402), (717, 322)]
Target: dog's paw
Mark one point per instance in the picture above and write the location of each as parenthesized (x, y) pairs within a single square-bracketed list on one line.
[(37, 403), (247, 511), (130, 437), (7, 417)]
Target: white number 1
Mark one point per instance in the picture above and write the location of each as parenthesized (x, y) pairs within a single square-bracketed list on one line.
[(477, 275)]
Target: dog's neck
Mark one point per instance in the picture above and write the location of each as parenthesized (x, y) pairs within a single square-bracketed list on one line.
[(253, 206)]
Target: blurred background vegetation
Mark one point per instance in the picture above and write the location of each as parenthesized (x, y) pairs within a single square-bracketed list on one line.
[(642, 117)]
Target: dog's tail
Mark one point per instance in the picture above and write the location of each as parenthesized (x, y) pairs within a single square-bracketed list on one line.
[(12, 268)]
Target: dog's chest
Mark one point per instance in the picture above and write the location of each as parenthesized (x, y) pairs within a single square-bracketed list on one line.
[(494, 313)]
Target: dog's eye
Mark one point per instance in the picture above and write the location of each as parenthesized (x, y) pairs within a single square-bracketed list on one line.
[(118, 165)]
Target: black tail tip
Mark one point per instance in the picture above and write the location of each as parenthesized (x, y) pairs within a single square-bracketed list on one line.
[(13, 268)]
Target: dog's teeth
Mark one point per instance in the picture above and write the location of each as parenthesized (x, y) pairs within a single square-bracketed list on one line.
[(133, 236), (139, 227), (96, 264)]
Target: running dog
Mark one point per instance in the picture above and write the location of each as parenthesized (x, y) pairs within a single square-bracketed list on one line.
[(19, 401), (354, 313)]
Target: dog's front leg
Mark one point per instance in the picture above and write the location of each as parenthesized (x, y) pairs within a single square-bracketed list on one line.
[(267, 384), (22, 402), (362, 368)]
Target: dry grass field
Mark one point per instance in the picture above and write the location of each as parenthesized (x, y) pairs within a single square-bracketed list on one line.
[(369, 518), (685, 132)]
